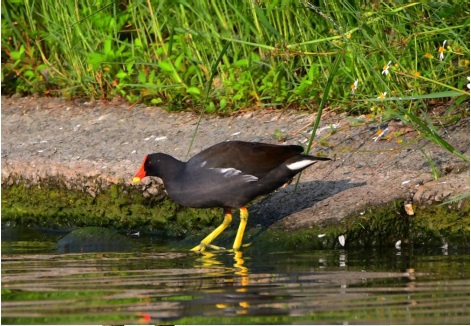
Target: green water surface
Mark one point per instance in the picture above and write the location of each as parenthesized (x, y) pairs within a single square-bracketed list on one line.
[(148, 282)]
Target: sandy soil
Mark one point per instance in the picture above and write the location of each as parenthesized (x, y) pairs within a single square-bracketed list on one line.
[(81, 142)]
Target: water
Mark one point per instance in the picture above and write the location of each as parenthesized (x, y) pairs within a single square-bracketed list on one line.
[(154, 284)]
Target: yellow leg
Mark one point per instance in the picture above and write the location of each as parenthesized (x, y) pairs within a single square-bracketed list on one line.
[(206, 242), (244, 215)]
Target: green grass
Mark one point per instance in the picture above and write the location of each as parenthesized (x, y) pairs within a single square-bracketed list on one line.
[(280, 52)]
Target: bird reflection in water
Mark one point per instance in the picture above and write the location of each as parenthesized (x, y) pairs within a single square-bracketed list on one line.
[(240, 278)]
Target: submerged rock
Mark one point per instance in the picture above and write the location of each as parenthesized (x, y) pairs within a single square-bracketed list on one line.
[(94, 239)]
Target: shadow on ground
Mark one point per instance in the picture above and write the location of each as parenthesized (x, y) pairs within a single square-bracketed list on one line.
[(287, 201)]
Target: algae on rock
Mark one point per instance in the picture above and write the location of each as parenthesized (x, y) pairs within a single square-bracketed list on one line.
[(122, 207)]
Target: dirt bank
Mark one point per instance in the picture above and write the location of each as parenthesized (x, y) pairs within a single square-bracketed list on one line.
[(89, 146)]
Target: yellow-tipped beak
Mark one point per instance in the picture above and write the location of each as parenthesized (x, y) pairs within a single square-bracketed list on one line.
[(136, 180)]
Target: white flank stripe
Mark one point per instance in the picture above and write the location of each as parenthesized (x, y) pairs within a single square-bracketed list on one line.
[(249, 178), (231, 172), (228, 172), (300, 164)]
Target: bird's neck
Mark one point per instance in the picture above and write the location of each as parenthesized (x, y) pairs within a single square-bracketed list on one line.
[(170, 168)]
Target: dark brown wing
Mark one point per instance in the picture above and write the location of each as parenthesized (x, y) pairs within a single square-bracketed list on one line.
[(250, 158)]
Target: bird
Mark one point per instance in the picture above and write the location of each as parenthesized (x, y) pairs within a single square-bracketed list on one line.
[(228, 175)]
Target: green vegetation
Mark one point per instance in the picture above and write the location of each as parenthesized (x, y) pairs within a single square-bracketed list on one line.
[(379, 226), (54, 205), (272, 54), (124, 208)]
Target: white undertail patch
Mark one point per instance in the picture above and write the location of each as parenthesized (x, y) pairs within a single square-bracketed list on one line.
[(300, 164)]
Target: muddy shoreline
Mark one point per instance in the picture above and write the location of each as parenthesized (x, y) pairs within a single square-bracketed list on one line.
[(87, 147)]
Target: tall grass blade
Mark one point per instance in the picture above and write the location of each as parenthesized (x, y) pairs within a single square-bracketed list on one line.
[(332, 74), (208, 88)]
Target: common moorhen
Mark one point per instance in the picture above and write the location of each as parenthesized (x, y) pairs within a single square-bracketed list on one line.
[(226, 175)]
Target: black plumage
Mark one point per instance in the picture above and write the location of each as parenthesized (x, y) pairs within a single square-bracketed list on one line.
[(227, 175)]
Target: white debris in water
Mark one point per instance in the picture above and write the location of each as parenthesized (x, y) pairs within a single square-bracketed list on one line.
[(398, 244), (342, 240), (342, 260)]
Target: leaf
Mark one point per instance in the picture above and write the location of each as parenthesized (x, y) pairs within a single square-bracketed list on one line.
[(241, 63), (121, 50), (17, 55), (121, 75), (460, 99), (349, 61), (193, 90), (94, 58), (159, 51), (141, 77), (156, 100), (178, 60), (151, 78), (310, 73), (165, 66), (223, 104), (130, 67), (210, 107), (41, 67), (107, 46), (29, 73)]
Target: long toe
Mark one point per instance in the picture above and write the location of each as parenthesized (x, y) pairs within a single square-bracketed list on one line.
[(215, 247), (245, 245), (202, 247)]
